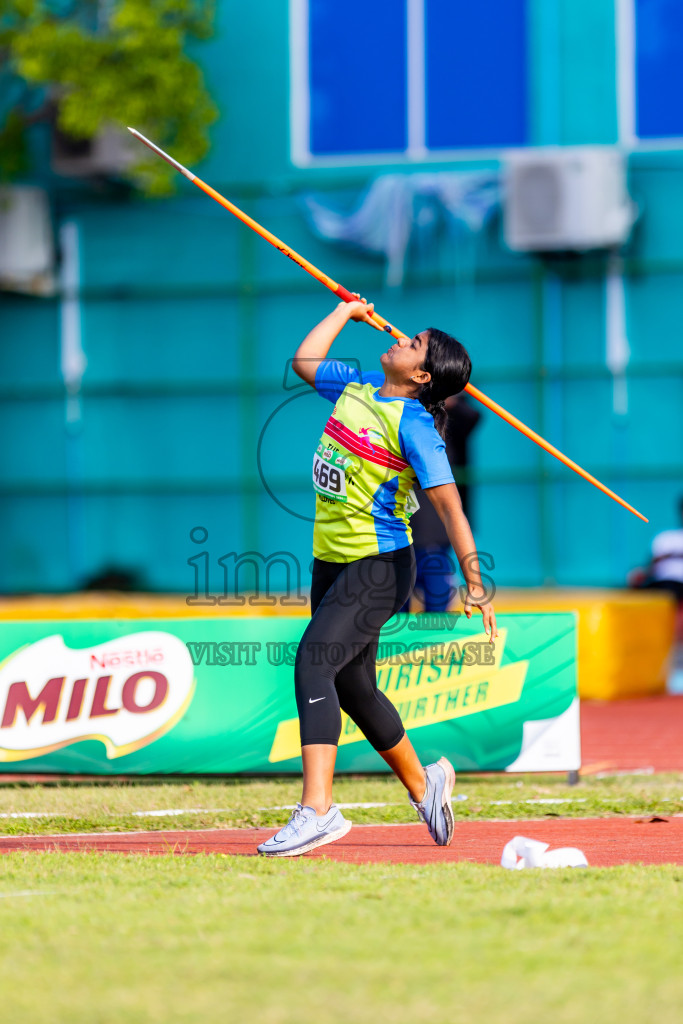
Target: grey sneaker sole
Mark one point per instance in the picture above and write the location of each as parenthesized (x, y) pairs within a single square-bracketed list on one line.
[(446, 796), (313, 844)]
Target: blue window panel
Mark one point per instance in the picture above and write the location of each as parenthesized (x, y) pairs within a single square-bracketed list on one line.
[(357, 76), (659, 68), (476, 73)]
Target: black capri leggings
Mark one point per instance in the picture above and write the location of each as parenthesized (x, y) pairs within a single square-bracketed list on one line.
[(335, 662)]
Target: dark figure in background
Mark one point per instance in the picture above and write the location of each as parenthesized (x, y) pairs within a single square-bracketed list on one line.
[(665, 572), (433, 552), (115, 578), (665, 569)]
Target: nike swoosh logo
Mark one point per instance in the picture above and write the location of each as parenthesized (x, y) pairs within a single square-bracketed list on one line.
[(311, 701)]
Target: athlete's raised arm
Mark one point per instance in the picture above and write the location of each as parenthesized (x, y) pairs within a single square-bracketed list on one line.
[(446, 501), (317, 343)]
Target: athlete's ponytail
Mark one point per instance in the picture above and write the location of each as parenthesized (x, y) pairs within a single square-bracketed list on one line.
[(437, 409), (449, 365)]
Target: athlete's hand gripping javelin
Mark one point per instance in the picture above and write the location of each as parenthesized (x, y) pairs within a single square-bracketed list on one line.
[(361, 309)]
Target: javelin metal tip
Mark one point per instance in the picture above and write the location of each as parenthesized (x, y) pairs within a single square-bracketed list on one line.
[(160, 152)]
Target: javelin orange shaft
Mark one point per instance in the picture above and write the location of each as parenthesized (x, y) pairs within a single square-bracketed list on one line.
[(379, 322)]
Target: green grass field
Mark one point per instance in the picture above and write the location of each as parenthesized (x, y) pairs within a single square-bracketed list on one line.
[(104, 807), (104, 938), (92, 939)]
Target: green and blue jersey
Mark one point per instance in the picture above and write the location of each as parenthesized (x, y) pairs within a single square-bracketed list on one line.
[(372, 452)]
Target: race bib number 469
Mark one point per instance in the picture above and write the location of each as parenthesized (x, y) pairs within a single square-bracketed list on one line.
[(328, 474)]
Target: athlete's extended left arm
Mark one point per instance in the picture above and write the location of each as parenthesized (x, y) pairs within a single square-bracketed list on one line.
[(446, 501)]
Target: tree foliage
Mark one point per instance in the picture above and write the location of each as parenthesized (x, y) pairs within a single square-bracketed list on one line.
[(114, 62)]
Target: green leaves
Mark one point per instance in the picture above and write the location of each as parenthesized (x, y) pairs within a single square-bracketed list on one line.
[(130, 68)]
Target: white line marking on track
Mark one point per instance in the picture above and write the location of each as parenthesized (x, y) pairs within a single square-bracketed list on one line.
[(174, 812), (548, 800), (290, 807), (29, 892), (112, 835), (182, 810), (32, 814)]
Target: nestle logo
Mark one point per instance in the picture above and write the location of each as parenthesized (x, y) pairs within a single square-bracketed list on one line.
[(113, 659)]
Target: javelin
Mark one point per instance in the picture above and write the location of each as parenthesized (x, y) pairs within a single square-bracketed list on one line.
[(379, 322)]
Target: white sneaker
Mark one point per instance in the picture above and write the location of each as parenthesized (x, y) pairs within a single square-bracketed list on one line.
[(435, 807), (304, 831)]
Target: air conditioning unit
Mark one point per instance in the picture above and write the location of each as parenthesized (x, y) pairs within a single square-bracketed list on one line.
[(107, 154), (27, 252), (566, 199)]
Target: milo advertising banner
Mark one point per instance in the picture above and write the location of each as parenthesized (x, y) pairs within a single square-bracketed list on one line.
[(217, 696)]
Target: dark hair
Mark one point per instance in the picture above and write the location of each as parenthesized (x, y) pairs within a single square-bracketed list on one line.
[(450, 366)]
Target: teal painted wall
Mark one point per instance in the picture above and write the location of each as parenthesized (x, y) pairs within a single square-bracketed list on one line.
[(189, 319)]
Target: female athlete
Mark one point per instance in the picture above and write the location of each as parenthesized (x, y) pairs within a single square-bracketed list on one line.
[(383, 436)]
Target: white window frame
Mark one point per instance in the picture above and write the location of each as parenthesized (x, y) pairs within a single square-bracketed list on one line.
[(416, 150)]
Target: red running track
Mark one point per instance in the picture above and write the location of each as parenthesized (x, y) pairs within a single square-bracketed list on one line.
[(646, 732), (605, 841)]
